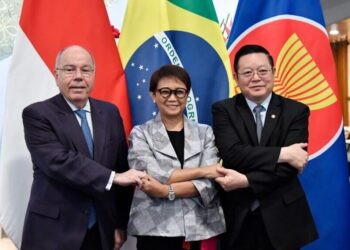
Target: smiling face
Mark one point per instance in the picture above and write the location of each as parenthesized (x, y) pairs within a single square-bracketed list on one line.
[(75, 75), (171, 107), (259, 85)]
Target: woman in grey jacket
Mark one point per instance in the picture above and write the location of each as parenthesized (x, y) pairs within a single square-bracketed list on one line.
[(178, 203)]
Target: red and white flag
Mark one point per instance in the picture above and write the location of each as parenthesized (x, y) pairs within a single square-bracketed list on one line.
[(45, 28)]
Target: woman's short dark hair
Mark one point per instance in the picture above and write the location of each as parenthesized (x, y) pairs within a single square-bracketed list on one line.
[(171, 71), (250, 49)]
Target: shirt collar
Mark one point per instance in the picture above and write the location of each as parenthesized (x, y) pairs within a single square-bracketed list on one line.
[(74, 108), (265, 103)]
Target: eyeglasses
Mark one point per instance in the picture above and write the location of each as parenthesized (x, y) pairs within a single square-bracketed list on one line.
[(249, 73), (85, 71), (167, 92)]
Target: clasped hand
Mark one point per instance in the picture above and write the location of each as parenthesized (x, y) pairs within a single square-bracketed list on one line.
[(130, 177), (153, 187)]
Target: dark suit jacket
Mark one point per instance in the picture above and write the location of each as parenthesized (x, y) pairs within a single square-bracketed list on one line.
[(283, 204), (66, 181)]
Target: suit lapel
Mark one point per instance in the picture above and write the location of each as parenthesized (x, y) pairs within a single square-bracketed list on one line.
[(70, 124), (247, 118), (161, 139), (271, 119), (192, 140), (99, 121), (162, 142)]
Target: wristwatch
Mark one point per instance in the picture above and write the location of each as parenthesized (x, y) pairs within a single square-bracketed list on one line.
[(171, 193)]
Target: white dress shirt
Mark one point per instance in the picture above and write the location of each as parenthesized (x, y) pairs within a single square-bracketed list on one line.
[(87, 108)]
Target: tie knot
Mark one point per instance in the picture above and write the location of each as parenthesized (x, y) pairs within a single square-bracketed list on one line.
[(81, 113), (258, 108)]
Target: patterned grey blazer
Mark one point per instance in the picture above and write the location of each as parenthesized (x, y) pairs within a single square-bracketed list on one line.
[(194, 218)]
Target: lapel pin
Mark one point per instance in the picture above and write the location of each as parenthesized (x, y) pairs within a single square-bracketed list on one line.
[(273, 116)]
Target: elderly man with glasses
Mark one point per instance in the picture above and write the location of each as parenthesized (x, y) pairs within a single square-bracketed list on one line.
[(78, 149)]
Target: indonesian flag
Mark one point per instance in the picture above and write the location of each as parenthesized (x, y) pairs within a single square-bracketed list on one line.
[(45, 28)]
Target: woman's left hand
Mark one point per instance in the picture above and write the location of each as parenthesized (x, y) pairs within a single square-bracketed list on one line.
[(154, 188)]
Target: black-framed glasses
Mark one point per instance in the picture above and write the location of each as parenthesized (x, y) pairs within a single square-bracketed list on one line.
[(167, 92), (249, 73), (71, 70)]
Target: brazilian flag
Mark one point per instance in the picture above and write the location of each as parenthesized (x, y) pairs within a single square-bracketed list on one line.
[(184, 33)]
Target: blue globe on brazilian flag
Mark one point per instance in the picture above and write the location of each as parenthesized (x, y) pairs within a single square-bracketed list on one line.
[(184, 33)]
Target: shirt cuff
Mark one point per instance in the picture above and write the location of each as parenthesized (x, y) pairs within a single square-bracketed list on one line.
[(110, 181)]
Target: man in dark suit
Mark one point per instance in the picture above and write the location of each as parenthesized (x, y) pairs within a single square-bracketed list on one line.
[(262, 149), (76, 160)]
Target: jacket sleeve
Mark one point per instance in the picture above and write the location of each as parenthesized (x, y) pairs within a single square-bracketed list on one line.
[(124, 195), (207, 188)]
